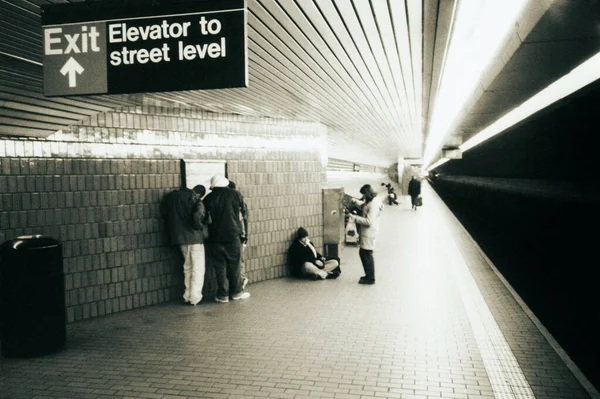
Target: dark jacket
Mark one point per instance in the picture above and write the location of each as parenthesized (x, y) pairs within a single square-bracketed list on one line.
[(184, 212), (299, 254), (224, 206), (414, 187), (243, 216)]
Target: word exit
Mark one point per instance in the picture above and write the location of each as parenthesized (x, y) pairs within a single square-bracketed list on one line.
[(57, 43)]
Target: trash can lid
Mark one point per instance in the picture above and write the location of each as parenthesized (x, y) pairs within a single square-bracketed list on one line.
[(30, 242)]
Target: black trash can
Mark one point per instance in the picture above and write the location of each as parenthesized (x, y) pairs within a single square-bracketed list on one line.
[(32, 297)]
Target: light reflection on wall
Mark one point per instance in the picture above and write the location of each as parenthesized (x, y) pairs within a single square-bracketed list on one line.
[(186, 136)]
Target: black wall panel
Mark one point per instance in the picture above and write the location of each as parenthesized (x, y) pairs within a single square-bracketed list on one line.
[(543, 237)]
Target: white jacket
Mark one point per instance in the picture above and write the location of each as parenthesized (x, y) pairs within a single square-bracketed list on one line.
[(369, 222)]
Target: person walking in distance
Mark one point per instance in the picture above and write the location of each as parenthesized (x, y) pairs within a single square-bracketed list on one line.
[(414, 190), (371, 209), (224, 245), (185, 213)]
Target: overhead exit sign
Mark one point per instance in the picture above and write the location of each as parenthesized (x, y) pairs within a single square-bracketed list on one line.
[(144, 46)]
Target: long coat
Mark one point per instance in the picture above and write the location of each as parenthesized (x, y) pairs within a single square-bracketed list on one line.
[(369, 222), (414, 187)]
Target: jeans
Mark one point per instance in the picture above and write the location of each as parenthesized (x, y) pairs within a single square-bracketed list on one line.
[(225, 259), (366, 257), (194, 266)]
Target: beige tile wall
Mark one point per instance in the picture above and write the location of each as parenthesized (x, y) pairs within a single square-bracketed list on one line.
[(96, 187)]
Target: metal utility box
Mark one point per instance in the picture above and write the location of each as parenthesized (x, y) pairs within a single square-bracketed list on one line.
[(333, 220)]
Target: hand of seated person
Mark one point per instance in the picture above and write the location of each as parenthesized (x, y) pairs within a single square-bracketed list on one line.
[(319, 264)]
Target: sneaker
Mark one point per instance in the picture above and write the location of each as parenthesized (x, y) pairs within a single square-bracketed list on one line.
[(221, 300), (366, 281), (241, 295), (244, 283)]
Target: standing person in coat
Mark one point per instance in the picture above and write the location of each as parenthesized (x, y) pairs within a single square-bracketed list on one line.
[(414, 190), (371, 209), (184, 214), (224, 245)]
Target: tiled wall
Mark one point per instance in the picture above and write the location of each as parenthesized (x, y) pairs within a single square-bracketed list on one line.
[(353, 181), (97, 187)]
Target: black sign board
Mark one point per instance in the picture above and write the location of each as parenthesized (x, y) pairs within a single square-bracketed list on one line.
[(144, 46)]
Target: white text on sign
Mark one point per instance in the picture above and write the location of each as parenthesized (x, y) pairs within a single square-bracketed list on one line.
[(75, 43), (122, 33)]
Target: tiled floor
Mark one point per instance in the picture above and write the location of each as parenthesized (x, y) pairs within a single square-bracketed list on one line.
[(438, 323)]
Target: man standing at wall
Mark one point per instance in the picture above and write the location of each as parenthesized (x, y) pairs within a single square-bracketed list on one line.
[(225, 231), (185, 213), (244, 235)]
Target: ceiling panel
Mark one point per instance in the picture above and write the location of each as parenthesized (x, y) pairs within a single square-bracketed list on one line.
[(346, 64), (367, 69), (546, 44)]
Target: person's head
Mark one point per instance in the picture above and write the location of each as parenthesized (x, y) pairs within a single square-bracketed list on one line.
[(218, 181), (302, 235), (232, 185), (199, 190), (368, 192)]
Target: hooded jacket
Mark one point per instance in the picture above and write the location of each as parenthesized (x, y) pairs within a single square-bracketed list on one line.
[(223, 205)]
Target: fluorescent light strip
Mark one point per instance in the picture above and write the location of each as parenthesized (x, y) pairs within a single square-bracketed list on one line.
[(584, 74), (437, 163), (478, 31)]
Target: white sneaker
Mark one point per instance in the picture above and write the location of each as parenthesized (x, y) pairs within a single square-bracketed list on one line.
[(221, 300), (241, 295)]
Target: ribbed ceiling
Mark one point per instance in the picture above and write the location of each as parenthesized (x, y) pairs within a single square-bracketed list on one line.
[(351, 65), (367, 69)]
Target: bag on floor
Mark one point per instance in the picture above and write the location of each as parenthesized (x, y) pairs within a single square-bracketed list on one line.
[(419, 201), (351, 232)]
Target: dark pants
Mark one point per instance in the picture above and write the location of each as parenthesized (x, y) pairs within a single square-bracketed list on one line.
[(413, 199), (366, 257), (225, 259)]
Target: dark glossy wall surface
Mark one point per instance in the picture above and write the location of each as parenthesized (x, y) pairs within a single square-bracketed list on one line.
[(531, 198)]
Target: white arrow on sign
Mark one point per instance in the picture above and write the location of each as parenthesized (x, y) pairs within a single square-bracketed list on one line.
[(72, 68)]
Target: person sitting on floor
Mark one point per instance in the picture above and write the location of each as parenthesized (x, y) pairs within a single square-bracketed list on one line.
[(305, 261)]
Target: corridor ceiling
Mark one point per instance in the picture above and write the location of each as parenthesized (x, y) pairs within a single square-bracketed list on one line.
[(367, 69)]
